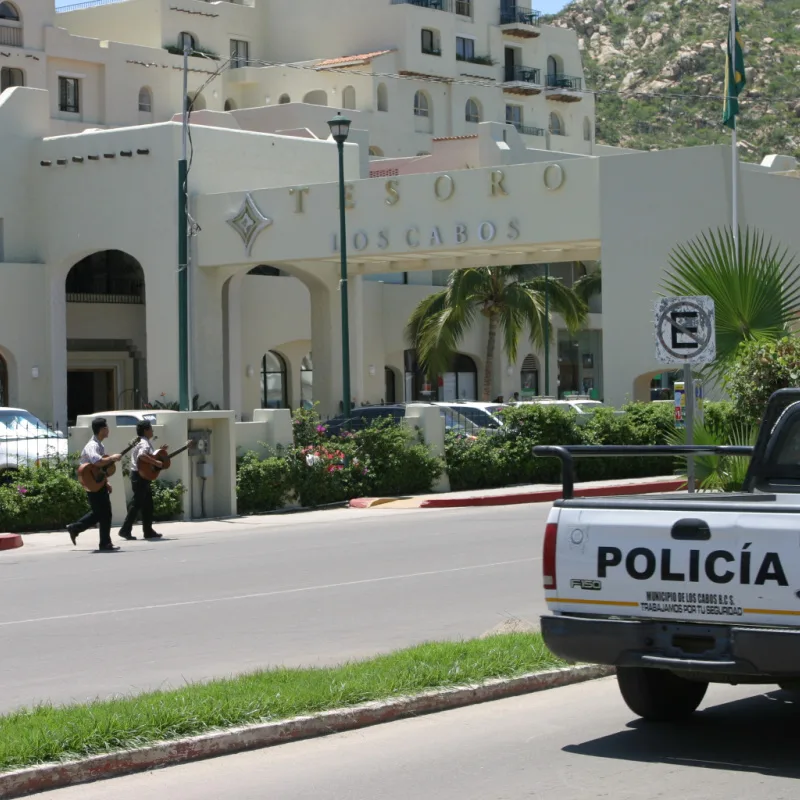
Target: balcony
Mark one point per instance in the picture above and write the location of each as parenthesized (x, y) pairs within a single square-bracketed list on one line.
[(564, 88), (526, 130), (520, 22), (461, 7), (522, 80), (10, 36)]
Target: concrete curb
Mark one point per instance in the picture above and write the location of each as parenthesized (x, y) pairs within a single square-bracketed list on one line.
[(537, 496), (56, 776), (10, 541)]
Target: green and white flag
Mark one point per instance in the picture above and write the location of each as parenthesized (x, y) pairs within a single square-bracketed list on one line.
[(734, 73)]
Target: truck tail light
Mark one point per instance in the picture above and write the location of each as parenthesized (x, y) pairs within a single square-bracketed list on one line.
[(549, 556)]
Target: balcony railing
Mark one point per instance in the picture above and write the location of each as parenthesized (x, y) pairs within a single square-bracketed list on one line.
[(10, 37), (517, 74), (569, 82), (527, 130), (461, 7), (431, 51), (518, 14)]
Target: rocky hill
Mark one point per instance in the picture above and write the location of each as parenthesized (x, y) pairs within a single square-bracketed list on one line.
[(662, 64)]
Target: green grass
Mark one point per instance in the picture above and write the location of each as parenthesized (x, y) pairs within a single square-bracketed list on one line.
[(58, 733)]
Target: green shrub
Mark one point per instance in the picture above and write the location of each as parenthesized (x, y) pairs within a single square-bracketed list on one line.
[(41, 498), (167, 500)]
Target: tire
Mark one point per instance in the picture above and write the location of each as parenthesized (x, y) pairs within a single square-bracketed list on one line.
[(659, 695)]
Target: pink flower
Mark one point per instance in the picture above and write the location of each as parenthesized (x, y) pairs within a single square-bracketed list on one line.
[(22, 490), (320, 429)]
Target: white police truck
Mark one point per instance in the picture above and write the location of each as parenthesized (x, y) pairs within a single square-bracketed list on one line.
[(678, 591)]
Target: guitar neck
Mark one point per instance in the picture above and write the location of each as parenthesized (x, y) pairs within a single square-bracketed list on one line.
[(129, 447), (178, 452)]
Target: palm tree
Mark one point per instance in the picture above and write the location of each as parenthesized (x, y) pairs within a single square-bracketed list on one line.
[(756, 294), (509, 303), (589, 284)]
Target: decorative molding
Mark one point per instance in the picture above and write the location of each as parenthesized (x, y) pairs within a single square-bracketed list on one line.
[(249, 222)]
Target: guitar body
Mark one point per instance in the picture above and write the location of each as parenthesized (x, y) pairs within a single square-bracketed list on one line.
[(150, 472), (93, 478)]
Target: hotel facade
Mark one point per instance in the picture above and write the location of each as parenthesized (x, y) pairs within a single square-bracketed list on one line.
[(472, 144)]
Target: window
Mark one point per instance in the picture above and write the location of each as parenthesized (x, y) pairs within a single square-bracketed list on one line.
[(473, 111), (376, 151), (9, 12), (529, 376), (383, 97), (465, 48), (348, 97), (430, 45), (587, 129), (145, 100), (185, 39), (4, 399), (240, 53), (421, 105), (552, 67), (284, 99), (514, 115), (230, 105), (69, 94), (556, 125), (306, 382), (11, 76), (273, 381)]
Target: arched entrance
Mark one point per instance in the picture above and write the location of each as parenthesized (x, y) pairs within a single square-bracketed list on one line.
[(4, 401), (460, 382), (529, 377), (273, 381), (106, 334)]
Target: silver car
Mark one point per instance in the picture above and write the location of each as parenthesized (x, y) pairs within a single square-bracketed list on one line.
[(25, 440)]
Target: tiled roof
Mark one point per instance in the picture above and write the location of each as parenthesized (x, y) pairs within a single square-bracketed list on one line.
[(364, 58), (454, 138)]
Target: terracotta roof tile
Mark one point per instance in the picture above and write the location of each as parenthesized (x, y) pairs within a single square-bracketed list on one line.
[(454, 138), (364, 58)]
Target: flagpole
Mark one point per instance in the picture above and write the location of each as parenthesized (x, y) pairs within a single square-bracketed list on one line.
[(734, 146)]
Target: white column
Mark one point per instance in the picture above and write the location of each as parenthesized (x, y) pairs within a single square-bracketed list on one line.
[(58, 350), (232, 341)]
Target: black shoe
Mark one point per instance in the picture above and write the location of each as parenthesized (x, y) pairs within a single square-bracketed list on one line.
[(107, 548), (153, 535), (129, 536), (73, 534)]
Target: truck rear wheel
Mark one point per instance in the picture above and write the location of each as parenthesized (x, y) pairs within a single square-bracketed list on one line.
[(658, 695)]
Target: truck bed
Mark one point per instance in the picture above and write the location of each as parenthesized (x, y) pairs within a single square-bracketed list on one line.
[(741, 502)]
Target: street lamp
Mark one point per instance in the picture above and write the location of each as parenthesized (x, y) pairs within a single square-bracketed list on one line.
[(340, 130), (547, 330)]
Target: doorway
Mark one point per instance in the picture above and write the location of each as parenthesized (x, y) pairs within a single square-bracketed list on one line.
[(89, 391)]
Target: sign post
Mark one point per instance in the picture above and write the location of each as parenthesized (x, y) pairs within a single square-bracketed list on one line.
[(685, 335)]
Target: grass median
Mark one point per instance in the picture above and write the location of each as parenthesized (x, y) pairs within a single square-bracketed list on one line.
[(47, 734)]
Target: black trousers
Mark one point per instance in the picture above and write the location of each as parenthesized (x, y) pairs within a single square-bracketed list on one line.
[(100, 515), (142, 500)]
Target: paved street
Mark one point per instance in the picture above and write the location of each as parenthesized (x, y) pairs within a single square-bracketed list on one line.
[(223, 597), (565, 744)]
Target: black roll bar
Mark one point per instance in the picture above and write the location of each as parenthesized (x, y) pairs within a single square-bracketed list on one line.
[(567, 454)]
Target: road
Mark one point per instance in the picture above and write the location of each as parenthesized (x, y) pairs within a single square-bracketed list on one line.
[(564, 744), (227, 597)]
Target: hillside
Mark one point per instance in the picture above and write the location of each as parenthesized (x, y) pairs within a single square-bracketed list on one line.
[(645, 50)]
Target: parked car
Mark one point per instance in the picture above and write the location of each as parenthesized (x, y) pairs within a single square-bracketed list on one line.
[(362, 417), (26, 440), (583, 408), (484, 415)]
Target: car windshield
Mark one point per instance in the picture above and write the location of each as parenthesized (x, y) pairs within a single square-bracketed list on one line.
[(22, 425)]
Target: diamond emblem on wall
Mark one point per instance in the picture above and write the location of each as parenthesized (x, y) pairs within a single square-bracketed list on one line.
[(249, 222)]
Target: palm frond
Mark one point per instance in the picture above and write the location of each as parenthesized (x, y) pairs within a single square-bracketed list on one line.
[(589, 285), (563, 300)]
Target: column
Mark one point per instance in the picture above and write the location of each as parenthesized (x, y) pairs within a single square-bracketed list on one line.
[(232, 344), (58, 349)]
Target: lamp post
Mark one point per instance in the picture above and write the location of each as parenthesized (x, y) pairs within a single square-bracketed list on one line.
[(547, 330), (183, 251), (340, 130)]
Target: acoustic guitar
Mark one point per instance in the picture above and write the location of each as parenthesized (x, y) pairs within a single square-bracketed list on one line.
[(94, 478), (150, 472)]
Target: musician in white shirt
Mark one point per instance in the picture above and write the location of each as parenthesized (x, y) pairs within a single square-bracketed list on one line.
[(142, 490)]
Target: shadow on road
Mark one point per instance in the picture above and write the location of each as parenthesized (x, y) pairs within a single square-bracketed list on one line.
[(759, 734)]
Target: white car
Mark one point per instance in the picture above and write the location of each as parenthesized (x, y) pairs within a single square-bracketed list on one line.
[(583, 408), (484, 415), (25, 440)]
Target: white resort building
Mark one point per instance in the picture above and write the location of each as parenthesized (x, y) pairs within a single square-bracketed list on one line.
[(472, 144)]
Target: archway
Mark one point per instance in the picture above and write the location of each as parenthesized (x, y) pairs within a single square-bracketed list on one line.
[(274, 383), (460, 382), (196, 101), (230, 105), (390, 380), (284, 99), (317, 97), (4, 389), (348, 97), (106, 334), (529, 377)]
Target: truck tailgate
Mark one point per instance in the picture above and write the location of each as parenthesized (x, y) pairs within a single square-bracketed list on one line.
[(688, 565)]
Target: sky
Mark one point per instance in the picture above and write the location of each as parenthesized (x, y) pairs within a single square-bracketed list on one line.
[(545, 6)]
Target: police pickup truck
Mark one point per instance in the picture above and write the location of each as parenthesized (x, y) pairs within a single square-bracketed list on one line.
[(678, 591)]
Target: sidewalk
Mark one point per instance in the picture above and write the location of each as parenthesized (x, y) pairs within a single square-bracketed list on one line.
[(532, 493)]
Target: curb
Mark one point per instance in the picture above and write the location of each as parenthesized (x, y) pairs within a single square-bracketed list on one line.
[(10, 541), (113, 765), (538, 496)]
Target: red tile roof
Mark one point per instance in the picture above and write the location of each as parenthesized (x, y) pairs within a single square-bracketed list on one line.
[(364, 58), (454, 138)]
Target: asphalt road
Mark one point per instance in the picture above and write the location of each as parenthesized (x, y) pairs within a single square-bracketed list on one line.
[(226, 598), (565, 744)]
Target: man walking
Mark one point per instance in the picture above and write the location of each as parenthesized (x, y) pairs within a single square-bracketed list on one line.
[(100, 501), (142, 490)]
